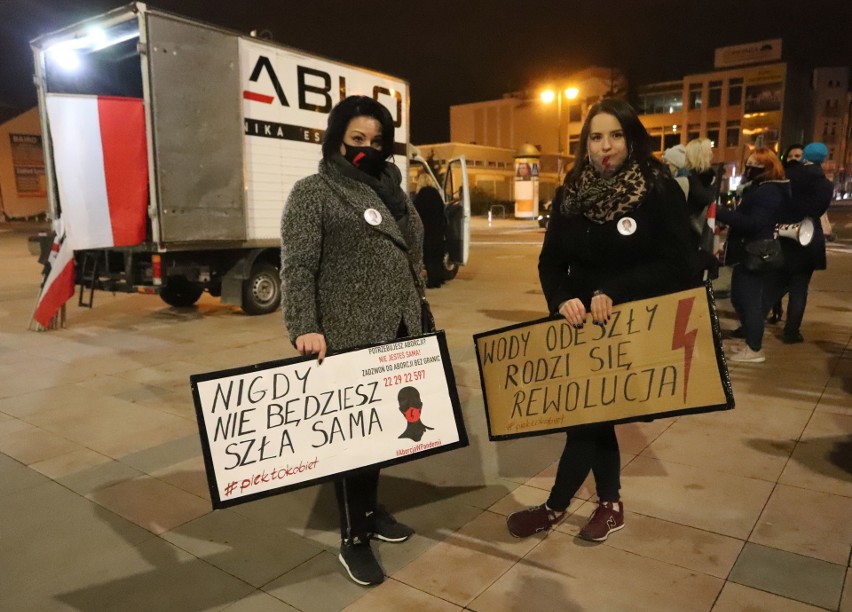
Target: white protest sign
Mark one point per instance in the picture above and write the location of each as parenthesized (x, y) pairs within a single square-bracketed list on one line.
[(276, 426)]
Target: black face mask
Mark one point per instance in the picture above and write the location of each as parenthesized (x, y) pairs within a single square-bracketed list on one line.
[(752, 172), (366, 159)]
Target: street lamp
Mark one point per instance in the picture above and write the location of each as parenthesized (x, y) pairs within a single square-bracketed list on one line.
[(548, 96)]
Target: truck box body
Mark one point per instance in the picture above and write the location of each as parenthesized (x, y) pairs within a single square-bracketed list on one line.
[(230, 123)]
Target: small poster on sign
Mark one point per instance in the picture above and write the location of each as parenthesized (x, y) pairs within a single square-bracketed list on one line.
[(277, 426), (655, 358)]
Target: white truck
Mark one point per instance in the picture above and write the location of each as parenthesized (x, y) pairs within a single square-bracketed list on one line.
[(171, 146)]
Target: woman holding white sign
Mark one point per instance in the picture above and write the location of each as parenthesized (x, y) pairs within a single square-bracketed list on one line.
[(351, 243), (619, 232)]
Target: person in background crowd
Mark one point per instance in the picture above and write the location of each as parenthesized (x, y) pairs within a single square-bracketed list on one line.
[(692, 167), (675, 159), (765, 194), (793, 154), (618, 232), (811, 197), (703, 180), (430, 207), (351, 251)]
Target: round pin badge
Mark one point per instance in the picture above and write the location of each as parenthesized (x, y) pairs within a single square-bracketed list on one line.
[(626, 226), (373, 216)]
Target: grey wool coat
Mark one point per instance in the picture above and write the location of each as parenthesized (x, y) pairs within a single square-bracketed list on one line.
[(341, 276)]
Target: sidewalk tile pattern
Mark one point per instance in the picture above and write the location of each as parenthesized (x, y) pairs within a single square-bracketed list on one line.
[(104, 502)]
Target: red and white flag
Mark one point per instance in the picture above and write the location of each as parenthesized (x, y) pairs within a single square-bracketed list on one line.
[(58, 286), (101, 164), (710, 234), (100, 157), (713, 230)]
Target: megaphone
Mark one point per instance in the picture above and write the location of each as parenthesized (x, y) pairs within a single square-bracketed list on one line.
[(802, 232)]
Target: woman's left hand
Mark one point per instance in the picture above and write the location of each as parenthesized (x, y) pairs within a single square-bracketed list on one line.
[(312, 344), (601, 308)]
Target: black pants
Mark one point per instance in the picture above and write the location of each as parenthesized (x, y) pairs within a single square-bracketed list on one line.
[(796, 284), (588, 448), (434, 263), (747, 298), (357, 495)]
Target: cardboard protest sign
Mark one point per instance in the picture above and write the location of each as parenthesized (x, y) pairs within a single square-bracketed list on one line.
[(655, 357), (272, 427)]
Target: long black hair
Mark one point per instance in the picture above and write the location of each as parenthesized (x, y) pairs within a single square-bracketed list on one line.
[(348, 109), (636, 138)]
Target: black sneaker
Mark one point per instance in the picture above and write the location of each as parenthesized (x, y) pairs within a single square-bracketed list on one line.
[(358, 559), (792, 338), (385, 527)]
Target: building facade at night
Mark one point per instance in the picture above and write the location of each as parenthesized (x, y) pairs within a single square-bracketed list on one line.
[(833, 122), (749, 94)]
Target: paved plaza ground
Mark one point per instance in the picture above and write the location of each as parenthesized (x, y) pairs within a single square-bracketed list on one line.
[(104, 502)]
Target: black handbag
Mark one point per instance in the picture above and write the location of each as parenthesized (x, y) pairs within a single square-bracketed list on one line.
[(427, 319), (763, 255)]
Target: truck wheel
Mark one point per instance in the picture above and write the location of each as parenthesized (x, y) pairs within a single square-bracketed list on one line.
[(262, 290), (180, 293), (450, 269)]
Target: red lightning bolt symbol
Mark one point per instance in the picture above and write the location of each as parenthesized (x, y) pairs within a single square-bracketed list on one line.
[(684, 339)]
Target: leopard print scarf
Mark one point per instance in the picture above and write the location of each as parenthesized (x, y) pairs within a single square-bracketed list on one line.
[(600, 199)]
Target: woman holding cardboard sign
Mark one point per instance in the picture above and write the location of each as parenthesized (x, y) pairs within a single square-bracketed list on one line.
[(350, 244), (619, 232)]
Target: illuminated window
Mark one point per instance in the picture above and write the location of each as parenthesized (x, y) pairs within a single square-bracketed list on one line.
[(661, 102)]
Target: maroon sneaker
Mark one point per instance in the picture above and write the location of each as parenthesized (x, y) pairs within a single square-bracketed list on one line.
[(525, 523), (607, 517)]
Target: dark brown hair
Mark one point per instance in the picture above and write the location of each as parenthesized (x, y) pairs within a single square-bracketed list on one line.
[(636, 137)]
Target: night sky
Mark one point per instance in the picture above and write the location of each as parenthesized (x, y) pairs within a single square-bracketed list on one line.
[(461, 51)]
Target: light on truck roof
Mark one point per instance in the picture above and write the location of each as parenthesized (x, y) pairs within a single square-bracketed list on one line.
[(66, 58), (96, 39), (67, 53)]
